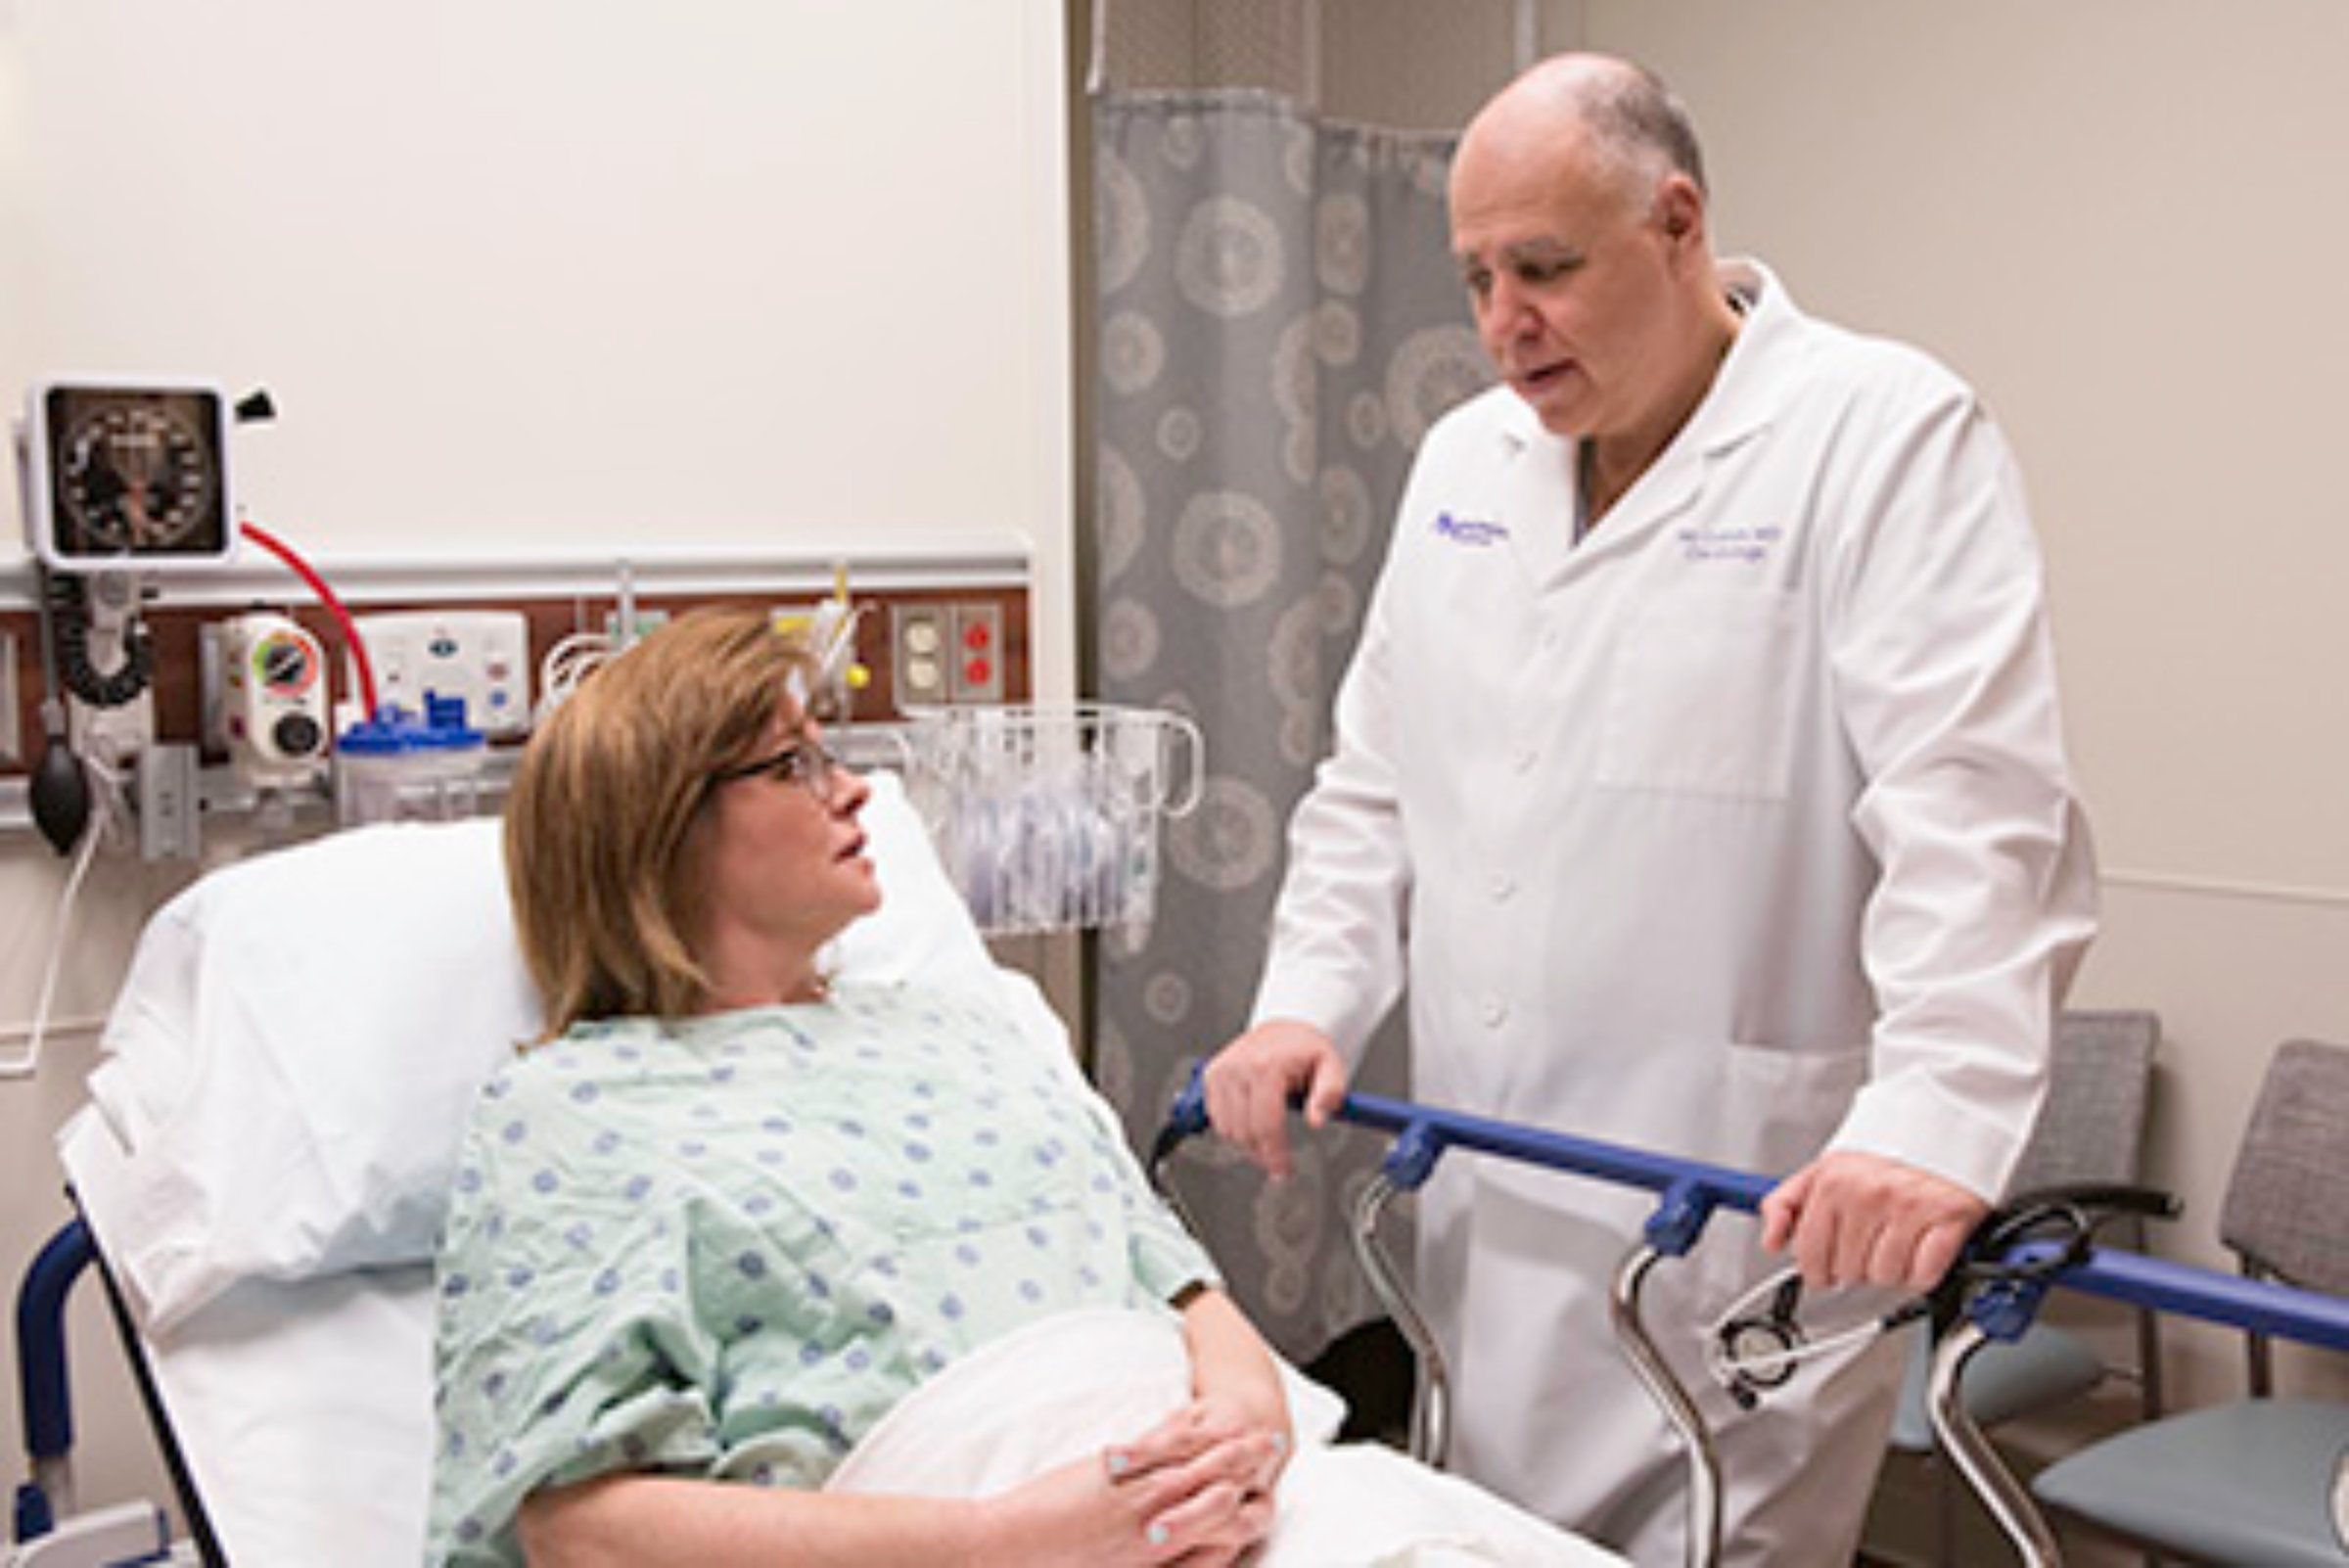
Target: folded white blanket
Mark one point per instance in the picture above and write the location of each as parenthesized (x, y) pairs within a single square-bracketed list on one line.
[(1070, 1386)]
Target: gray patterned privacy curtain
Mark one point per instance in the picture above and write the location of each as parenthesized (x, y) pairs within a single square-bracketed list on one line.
[(1278, 322)]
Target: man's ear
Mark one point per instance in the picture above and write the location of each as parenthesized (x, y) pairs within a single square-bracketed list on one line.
[(1680, 208)]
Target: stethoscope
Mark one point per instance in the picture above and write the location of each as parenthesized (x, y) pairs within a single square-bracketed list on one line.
[(1760, 1341)]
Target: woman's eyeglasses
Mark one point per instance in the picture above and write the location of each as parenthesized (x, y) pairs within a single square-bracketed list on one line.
[(803, 762)]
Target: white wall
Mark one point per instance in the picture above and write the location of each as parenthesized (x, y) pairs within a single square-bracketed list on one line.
[(2123, 219), (554, 272)]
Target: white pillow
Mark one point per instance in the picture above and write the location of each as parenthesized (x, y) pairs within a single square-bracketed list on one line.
[(288, 1069)]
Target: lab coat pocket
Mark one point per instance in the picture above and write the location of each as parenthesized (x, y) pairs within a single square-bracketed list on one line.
[(1701, 698), (1778, 1107)]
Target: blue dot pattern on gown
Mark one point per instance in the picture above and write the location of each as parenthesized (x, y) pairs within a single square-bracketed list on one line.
[(727, 1247)]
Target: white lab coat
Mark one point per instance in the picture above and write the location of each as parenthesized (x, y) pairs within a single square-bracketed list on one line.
[(1740, 829)]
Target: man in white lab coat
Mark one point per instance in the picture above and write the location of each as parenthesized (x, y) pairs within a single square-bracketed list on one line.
[(1701, 770)]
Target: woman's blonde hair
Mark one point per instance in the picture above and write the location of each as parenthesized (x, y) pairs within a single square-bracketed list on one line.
[(604, 896)]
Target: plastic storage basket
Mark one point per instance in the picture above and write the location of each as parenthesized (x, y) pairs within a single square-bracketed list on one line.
[(1050, 819)]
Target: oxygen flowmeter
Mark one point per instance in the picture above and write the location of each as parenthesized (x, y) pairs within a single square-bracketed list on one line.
[(273, 701)]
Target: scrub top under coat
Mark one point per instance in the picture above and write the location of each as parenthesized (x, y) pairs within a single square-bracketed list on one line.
[(1741, 827)]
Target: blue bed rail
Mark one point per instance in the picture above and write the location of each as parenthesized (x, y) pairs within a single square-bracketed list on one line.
[(43, 1390), (2255, 1306), (1690, 1192), (2003, 1287), (48, 1524)]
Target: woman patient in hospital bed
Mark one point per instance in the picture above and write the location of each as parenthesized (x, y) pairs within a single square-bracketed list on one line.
[(745, 1266)]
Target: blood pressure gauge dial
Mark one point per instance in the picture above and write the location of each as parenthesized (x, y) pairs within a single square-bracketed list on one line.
[(129, 473)]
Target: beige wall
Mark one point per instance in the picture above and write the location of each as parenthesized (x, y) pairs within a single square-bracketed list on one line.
[(556, 272)]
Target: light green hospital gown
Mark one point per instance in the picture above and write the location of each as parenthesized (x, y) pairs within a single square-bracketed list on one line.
[(727, 1247)]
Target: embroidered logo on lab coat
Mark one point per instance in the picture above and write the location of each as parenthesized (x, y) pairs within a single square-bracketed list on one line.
[(1727, 541), (1472, 531)]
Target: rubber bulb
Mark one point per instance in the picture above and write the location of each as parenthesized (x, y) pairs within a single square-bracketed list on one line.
[(60, 796)]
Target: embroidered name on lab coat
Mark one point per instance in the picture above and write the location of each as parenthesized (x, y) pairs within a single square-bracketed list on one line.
[(1471, 531), (1730, 542)]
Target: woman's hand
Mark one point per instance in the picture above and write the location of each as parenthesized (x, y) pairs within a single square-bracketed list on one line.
[(1205, 1476), (1193, 1492), (1211, 1469)]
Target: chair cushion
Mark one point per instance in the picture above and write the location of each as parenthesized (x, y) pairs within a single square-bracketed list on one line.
[(2004, 1379), (2250, 1482)]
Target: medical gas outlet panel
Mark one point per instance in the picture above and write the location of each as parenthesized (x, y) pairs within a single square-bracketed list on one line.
[(917, 647), (479, 657)]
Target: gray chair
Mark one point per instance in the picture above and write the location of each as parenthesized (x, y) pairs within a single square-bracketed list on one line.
[(2091, 1131), (2247, 1482)]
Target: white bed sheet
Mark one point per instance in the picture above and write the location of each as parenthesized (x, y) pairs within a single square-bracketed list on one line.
[(1062, 1388), (304, 1408)]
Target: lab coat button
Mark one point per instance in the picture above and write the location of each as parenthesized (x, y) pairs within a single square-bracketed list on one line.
[(1525, 758), (1501, 886), (1496, 1012)]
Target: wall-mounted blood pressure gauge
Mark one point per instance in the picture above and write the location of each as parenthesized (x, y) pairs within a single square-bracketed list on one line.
[(129, 473)]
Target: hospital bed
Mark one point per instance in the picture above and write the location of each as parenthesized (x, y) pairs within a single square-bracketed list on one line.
[(260, 1167), (288, 1068)]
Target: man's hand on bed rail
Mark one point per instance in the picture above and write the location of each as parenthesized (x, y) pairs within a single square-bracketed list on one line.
[(1853, 1219), (1252, 1082)]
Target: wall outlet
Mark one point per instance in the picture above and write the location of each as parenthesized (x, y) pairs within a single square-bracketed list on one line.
[(921, 637), (978, 654)]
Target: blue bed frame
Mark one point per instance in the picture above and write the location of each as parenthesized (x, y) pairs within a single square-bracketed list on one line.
[(1999, 1306), (44, 1500)]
